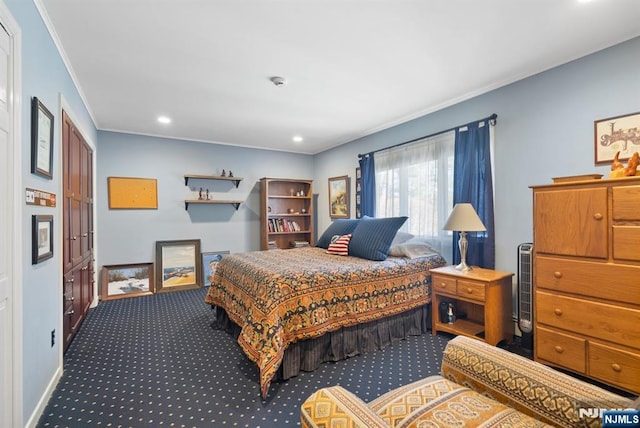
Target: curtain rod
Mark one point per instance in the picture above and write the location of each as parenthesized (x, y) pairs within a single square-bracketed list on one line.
[(491, 119)]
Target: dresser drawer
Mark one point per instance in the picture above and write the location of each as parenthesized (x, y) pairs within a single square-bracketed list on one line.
[(599, 320), (589, 278), (561, 349), (626, 202), (472, 290), (443, 284), (616, 366), (626, 243)]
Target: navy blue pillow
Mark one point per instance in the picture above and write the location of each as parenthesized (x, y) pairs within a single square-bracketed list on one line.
[(372, 238), (342, 226)]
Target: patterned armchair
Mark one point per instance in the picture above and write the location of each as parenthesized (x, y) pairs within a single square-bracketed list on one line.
[(480, 385)]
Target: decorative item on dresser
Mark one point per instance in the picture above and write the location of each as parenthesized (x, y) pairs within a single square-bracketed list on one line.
[(587, 278), (286, 212), (480, 300)]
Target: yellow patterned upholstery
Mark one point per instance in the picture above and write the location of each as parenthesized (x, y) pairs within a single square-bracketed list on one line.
[(335, 407), (529, 387), (438, 402), (483, 386)]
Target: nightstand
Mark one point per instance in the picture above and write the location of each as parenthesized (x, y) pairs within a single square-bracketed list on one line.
[(482, 302)]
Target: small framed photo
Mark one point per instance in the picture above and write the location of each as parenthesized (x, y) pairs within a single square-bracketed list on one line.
[(41, 140), (209, 263), (616, 134), (130, 280), (41, 238), (178, 265), (339, 197)]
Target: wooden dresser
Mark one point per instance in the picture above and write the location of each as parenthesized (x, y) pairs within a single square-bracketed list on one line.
[(587, 279)]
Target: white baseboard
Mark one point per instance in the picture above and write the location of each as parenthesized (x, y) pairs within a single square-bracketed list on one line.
[(42, 403)]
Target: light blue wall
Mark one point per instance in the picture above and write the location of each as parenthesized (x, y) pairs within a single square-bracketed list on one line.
[(128, 236), (544, 130), (44, 76)]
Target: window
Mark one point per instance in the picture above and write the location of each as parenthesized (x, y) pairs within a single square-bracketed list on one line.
[(416, 180)]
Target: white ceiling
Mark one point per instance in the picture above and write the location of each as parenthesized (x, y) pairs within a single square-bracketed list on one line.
[(352, 66)]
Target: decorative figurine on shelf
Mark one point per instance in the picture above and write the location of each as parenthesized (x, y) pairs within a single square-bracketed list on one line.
[(223, 173), (200, 194), (230, 173), (207, 195), (619, 170)]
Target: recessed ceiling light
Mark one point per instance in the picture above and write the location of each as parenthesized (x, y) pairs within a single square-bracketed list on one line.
[(164, 119), (297, 139)]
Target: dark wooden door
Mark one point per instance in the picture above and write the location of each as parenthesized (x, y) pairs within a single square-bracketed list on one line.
[(77, 228)]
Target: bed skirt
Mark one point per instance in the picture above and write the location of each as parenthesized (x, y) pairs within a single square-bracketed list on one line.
[(307, 355)]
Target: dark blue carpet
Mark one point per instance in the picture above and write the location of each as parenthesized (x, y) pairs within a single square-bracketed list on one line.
[(155, 361)]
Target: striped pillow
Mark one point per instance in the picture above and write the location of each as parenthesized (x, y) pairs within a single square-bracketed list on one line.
[(340, 246)]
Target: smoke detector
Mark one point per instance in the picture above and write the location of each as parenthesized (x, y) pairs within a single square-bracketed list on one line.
[(278, 81)]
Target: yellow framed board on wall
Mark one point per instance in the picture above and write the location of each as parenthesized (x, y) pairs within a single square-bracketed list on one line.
[(132, 193)]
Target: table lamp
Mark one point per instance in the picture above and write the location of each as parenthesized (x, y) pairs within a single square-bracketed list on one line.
[(464, 219)]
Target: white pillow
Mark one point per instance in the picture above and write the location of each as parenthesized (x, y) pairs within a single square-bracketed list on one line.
[(412, 248), (401, 237)]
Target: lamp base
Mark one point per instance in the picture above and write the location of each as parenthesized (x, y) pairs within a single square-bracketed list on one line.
[(462, 244), (464, 267)]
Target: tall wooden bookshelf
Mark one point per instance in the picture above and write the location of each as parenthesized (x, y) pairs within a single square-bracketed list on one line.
[(286, 213)]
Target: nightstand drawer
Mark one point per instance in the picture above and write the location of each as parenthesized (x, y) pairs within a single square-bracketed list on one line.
[(473, 290), (561, 349), (614, 365), (444, 284)]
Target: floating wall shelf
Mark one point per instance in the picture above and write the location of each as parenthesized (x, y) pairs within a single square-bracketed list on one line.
[(236, 204), (235, 180)]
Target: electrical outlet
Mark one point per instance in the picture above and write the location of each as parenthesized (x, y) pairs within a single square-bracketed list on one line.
[(53, 337)]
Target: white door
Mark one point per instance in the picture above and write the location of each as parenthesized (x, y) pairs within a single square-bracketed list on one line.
[(7, 236)]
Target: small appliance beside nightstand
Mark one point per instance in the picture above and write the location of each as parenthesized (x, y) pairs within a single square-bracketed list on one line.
[(481, 299)]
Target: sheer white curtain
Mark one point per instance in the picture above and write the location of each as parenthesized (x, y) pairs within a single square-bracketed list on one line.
[(416, 180)]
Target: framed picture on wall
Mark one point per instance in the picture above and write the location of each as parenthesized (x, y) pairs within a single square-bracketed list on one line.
[(41, 238), (178, 265), (210, 261), (339, 197), (41, 139), (616, 134), (128, 280)]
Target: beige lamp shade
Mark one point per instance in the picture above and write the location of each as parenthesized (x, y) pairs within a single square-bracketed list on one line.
[(464, 218)]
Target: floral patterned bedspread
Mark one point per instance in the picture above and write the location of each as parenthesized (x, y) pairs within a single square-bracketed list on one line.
[(279, 297)]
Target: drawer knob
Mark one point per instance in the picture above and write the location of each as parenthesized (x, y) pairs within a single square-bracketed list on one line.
[(598, 216), (557, 311), (557, 274), (443, 284), (559, 349), (616, 367), (469, 290)]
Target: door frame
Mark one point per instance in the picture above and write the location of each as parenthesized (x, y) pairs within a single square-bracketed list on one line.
[(14, 213)]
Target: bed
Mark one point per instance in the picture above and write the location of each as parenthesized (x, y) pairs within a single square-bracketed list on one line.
[(284, 302)]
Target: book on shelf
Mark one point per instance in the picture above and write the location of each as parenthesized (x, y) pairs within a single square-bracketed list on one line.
[(272, 245), (298, 244)]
